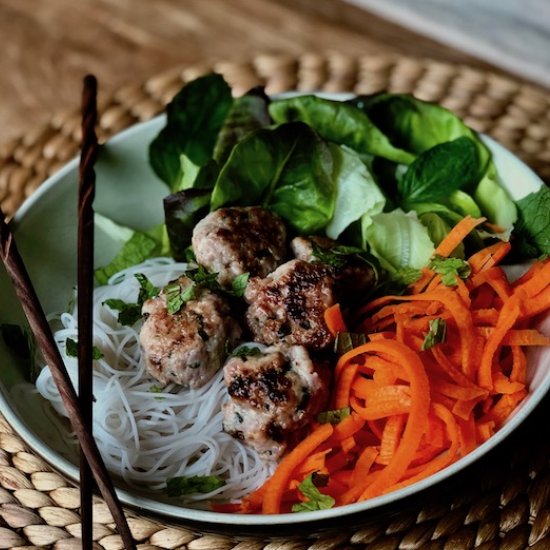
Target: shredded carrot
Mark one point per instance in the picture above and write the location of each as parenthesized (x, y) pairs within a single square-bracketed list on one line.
[(456, 235), (334, 320), (277, 484), (420, 399)]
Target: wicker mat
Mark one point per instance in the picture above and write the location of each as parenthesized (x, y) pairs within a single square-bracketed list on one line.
[(503, 502)]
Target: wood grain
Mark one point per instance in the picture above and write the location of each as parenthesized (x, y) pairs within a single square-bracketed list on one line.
[(49, 45)]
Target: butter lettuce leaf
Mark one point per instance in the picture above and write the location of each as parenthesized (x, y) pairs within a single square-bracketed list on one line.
[(399, 240), (357, 193)]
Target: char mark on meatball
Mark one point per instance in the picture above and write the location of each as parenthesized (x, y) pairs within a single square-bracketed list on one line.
[(289, 305), (273, 396), (354, 277), (236, 240)]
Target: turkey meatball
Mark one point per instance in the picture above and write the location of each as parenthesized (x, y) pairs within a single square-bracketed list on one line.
[(187, 347), (272, 396), (237, 240), (289, 304), (354, 277)]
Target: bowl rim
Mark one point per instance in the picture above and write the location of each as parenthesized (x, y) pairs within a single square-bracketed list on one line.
[(224, 519)]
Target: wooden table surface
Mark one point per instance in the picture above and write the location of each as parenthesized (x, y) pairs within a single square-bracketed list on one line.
[(50, 44)]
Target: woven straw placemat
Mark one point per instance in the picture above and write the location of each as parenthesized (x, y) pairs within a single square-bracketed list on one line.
[(503, 502)]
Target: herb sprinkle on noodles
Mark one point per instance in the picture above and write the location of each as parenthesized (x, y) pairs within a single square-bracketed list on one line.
[(148, 434)]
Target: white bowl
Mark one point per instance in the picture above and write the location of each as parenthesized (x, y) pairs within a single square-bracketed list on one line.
[(129, 193)]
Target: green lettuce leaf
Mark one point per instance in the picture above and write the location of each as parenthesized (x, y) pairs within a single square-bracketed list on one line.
[(340, 123), (288, 170), (357, 193), (398, 240), (494, 201), (416, 126), (193, 121)]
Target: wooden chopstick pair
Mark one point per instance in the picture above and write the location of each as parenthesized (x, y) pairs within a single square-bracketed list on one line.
[(79, 408)]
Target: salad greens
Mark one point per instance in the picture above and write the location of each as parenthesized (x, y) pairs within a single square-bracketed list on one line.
[(387, 173)]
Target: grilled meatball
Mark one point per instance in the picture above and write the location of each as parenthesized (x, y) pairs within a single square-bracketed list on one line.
[(187, 347), (272, 396), (289, 304), (237, 240), (354, 277)]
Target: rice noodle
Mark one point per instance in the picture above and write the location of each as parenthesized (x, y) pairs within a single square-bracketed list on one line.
[(145, 435)]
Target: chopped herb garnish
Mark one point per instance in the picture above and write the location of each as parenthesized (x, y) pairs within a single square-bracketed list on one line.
[(71, 347), (334, 416), (203, 278), (450, 269), (246, 351), (156, 389), (147, 289), (338, 256), (436, 334), (130, 313), (315, 499), (346, 341), (406, 276), (177, 295), (238, 285), (185, 485)]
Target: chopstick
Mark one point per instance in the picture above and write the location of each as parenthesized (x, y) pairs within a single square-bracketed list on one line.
[(38, 323), (85, 283)]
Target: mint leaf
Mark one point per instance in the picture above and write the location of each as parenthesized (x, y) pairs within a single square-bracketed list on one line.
[(147, 289), (315, 499), (177, 295), (450, 269), (71, 347), (436, 334), (532, 230), (440, 171), (185, 485), (128, 314), (334, 416), (238, 285)]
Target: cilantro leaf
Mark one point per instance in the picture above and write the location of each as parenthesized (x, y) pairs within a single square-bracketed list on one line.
[(71, 347), (334, 416), (185, 485), (450, 269), (436, 334), (315, 499)]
